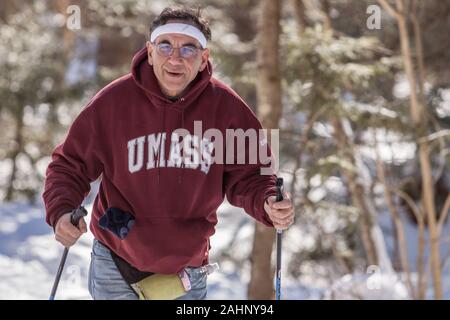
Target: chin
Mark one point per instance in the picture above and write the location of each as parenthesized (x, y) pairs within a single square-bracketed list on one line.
[(173, 93), (178, 89)]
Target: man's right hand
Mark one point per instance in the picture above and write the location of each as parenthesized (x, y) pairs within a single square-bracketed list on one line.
[(66, 233)]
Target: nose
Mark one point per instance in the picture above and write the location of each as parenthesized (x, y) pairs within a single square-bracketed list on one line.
[(175, 58), (176, 54)]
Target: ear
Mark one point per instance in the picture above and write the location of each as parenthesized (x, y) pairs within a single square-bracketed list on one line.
[(205, 57), (149, 52)]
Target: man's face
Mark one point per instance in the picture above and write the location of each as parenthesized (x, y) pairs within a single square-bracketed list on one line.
[(174, 73)]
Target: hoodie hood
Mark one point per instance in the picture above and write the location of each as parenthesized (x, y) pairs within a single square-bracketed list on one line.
[(145, 78)]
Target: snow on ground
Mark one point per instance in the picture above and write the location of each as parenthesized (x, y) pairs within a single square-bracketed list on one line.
[(411, 237), (383, 284), (29, 257)]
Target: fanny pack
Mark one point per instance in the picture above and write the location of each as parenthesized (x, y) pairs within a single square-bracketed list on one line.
[(168, 287), (152, 286), (162, 286)]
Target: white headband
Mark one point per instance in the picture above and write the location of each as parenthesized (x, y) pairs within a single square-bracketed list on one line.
[(181, 28)]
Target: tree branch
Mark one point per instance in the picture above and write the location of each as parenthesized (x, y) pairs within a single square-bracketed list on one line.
[(444, 214), (435, 135), (386, 6)]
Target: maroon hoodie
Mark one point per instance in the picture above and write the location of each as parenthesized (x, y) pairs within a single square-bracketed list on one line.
[(174, 204)]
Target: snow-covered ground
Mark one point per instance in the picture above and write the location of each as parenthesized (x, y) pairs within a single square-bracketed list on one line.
[(29, 257)]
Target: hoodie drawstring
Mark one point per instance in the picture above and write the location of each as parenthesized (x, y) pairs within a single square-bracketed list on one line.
[(180, 177), (161, 143)]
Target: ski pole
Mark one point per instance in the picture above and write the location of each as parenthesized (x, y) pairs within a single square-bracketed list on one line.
[(279, 197), (75, 217)]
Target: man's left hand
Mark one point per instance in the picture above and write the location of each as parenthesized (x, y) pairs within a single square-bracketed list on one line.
[(280, 213)]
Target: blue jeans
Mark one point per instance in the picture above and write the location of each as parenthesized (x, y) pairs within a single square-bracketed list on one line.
[(106, 283)]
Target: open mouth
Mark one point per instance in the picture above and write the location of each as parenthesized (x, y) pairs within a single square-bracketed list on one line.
[(174, 74)]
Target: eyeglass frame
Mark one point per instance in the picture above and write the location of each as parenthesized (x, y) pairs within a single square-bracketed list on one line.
[(173, 49)]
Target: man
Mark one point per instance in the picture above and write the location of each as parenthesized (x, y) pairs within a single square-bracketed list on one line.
[(156, 207)]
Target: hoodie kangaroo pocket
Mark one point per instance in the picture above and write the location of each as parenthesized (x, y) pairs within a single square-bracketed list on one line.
[(165, 245)]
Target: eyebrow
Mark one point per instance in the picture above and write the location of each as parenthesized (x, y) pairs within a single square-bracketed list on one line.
[(189, 44)]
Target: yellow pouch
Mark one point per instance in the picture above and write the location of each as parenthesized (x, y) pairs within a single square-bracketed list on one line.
[(160, 287)]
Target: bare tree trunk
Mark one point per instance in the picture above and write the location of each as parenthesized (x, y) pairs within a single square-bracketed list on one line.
[(17, 149), (268, 85), (325, 4), (418, 118), (421, 81), (417, 111), (428, 198), (399, 227), (419, 52), (300, 17), (269, 112), (421, 277), (4, 10), (303, 142), (68, 35), (357, 193), (357, 190), (421, 259), (9, 7)]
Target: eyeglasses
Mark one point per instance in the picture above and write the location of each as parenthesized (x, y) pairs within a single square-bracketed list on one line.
[(186, 52)]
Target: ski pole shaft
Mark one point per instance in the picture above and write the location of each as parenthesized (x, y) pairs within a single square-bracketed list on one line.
[(279, 197), (58, 275), (75, 217)]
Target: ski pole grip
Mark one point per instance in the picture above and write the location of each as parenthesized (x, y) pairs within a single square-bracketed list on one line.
[(77, 214), (279, 185), (279, 197)]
